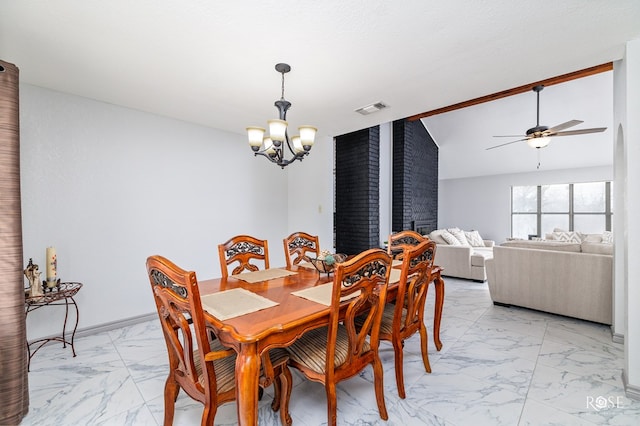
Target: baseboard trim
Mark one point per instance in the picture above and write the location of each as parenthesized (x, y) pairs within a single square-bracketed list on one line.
[(617, 337), (632, 392), (101, 328)]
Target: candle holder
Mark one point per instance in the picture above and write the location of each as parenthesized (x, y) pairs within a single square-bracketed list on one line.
[(50, 285)]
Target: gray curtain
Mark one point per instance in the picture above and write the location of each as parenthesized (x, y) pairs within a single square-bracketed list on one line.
[(14, 386)]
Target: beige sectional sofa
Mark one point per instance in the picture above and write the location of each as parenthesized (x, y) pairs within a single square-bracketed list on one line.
[(462, 261), (572, 279)]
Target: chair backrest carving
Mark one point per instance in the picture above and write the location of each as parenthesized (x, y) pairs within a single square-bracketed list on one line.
[(414, 282), (298, 246), (177, 298), (403, 240), (367, 276), (243, 249)]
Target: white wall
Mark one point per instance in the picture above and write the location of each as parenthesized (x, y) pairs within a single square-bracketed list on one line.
[(631, 133), (109, 186), (484, 203), (310, 194)]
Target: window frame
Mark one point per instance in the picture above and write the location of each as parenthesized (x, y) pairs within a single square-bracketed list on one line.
[(607, 213)]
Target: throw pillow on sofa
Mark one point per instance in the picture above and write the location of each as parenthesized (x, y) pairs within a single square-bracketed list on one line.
[(474, 238), (459, 234), (450, 239), (607, 237), (437, 236), (568, 236)]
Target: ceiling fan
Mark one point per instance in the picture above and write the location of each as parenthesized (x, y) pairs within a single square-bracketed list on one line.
[(539, 136)]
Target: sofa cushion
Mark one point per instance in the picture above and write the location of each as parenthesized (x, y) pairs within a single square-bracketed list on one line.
[(569, 236), (544, 245), (474, 238), (607, 237), (597, 248), (479, 255), (450, 239), (437, 236), (592, 238), (459, 234)]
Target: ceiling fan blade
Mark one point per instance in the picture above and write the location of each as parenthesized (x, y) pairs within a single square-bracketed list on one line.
[(580, 131), (508, 143), (563, 126)]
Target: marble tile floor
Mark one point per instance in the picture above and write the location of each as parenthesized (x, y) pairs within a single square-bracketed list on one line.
[(498, 366)]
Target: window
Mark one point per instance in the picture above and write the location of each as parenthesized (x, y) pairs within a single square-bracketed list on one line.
[(583, 207)]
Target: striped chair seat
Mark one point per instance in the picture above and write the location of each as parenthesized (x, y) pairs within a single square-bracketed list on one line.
[(386, 325), (310, 350), (226, 367)]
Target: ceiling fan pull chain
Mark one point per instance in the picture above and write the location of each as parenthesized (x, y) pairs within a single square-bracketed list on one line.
[(538, 151)]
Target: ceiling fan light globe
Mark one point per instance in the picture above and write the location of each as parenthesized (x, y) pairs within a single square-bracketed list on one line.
[(538, 142)]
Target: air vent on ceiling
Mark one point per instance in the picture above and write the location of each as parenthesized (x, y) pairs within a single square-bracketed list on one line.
[(370, 109)]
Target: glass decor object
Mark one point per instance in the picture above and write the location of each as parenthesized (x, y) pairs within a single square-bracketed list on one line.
[(326, 262)]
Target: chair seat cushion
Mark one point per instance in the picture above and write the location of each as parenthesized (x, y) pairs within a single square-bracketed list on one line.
[(386, 326), (310, 350), (226, 367)]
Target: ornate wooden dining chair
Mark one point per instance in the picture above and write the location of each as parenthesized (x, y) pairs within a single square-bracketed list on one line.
[(206, 375), (398, 243), (405, 317), (402, 240), (298, 245), (243, 249), (340, 350)]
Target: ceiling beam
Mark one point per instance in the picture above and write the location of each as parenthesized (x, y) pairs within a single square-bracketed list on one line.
[(516, 90)]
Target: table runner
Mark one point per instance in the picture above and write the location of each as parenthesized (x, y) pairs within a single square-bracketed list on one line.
[(264, 275), (234, 303)]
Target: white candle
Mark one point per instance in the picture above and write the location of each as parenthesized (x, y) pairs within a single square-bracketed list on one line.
[(52, 264)]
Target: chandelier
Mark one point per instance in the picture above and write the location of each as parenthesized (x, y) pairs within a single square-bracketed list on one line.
[(273, 146)]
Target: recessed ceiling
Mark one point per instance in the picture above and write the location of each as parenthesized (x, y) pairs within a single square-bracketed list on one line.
[(212, 63)]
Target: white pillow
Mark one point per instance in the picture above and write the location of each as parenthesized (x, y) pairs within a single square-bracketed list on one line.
[(474, 238), (437, 236), (607, 237), (569, 236), (450, 239), (459, 235)]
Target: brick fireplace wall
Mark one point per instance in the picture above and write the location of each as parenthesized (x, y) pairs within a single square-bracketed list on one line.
[(415, 176), (357, 204)]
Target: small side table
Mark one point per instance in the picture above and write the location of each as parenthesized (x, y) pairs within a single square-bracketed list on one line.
[(61, 295)]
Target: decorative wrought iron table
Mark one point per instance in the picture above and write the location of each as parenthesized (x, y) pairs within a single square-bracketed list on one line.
[(60, 295)]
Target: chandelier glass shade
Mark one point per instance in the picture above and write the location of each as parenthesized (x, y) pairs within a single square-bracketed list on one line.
[(277, 146)]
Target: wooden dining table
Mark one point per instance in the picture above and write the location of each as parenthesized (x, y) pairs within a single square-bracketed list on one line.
[(252, 334)]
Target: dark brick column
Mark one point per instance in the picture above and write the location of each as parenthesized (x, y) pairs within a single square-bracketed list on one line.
[(357, 218), (415, 176)]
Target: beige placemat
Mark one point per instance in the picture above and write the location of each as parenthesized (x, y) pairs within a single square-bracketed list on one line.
[(322, 294), (267, 274), (396, 262), (307, 265), (233, 303), (394, 276)]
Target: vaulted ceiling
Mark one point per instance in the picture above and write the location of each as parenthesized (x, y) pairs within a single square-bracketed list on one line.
[(212, 63)]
